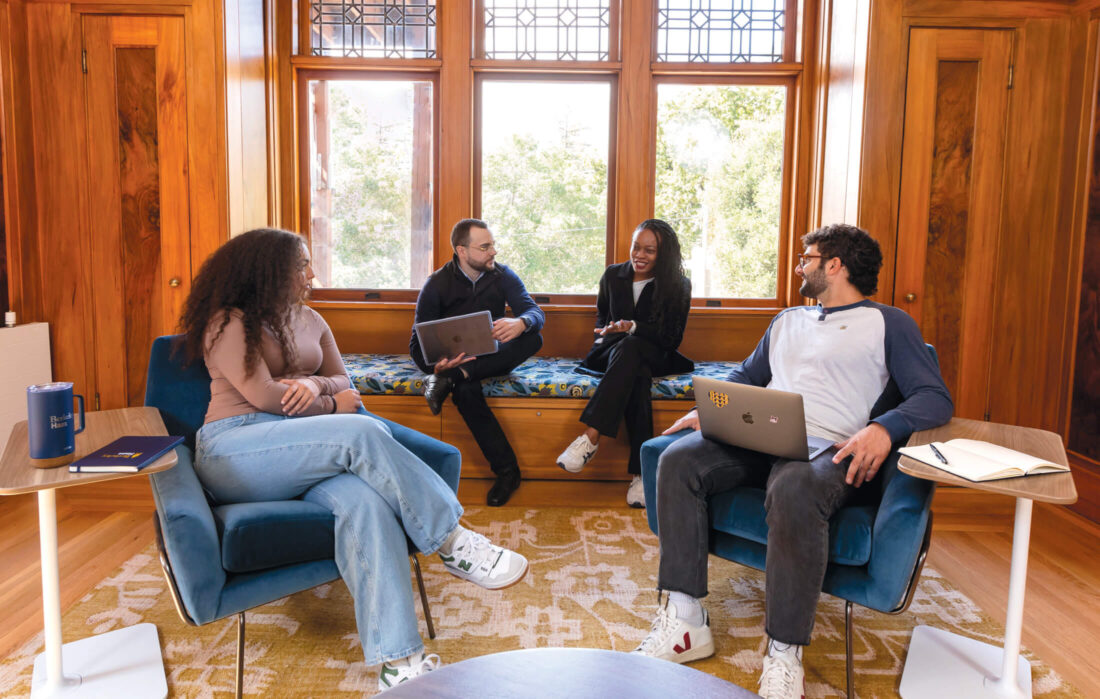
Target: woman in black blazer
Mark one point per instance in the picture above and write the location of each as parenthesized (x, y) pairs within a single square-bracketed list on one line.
[(641, 312)]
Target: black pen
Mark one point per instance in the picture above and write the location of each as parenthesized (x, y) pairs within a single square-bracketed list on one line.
[(938, 454)]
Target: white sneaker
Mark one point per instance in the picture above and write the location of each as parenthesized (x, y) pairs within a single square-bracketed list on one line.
[(577, 454), (783, 677), (475, 558), (635, 494), (398, 671), (676, 640)]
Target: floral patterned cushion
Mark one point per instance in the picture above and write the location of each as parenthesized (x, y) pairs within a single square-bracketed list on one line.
[(541, 377)]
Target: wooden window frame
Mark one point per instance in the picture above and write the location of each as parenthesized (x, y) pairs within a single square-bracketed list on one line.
[(611, 78), (382, 72), (788, 78)]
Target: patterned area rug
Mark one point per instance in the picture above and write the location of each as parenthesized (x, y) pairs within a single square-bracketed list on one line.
[(591, 584)]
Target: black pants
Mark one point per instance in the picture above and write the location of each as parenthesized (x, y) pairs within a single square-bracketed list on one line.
[(623, 393), (470, 401), (800, 498)]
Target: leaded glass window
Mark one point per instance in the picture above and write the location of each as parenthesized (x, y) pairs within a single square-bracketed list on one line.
[(556, 30), (723, 31), (372, 28)]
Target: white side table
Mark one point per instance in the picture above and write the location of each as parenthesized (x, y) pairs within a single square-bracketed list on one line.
[(942, 664), (125, 662)]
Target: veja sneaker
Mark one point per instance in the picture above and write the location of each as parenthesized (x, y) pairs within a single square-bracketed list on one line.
[(577, 454), (475, 558), (782, 677), (635, 494), (398, 671), (676, 640)]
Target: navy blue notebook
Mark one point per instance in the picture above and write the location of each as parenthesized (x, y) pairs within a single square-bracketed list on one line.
[(125, 455)]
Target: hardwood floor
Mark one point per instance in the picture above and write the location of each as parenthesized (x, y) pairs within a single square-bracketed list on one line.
[(971, 546)]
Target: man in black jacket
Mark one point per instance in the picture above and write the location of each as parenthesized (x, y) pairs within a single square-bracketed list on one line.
[(472, 281)]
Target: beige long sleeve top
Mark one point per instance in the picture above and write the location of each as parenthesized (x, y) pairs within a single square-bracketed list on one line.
[(316, 359)]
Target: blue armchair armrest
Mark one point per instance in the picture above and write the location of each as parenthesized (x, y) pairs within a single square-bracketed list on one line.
[(191, 537)]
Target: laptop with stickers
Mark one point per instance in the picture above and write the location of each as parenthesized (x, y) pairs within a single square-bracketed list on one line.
[(761, 419)]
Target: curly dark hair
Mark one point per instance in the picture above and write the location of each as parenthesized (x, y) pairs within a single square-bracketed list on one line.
[(669, 284), (252, 273), (857, 250)]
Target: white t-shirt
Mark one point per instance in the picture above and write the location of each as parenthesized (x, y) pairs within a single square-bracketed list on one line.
[(638, 286)]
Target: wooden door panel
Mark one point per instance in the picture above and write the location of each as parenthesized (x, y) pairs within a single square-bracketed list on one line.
[(139, 193), (949, 214)]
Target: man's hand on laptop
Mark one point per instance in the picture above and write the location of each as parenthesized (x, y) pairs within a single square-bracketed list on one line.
[(868, 448), (690, 420), (508, 329), (444, 364)]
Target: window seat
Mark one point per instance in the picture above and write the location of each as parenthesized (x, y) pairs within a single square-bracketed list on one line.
[(538, 405), (538, 377)]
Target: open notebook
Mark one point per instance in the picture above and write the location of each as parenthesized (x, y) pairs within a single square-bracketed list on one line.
[(981, 461)]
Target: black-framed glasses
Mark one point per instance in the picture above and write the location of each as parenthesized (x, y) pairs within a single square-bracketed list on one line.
[(802, 258)]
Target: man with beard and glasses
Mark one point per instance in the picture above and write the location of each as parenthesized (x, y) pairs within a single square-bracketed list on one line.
[(867, 381), (473, 281)]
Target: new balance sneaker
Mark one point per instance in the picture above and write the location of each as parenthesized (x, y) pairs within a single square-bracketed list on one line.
[(475, 558), (398, 671), (783, 676), (673, 639), (577, 454), (635, 494)]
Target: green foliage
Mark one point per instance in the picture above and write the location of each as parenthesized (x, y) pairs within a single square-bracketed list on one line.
[(719, 175), (371, 182), (547, 206)]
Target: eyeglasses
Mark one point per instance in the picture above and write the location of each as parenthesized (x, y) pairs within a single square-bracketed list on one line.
[(802, 258), (484, 248)]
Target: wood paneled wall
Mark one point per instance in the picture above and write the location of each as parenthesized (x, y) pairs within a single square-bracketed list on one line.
[(1050, 120)]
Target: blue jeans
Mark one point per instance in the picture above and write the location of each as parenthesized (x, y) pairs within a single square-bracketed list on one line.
[(378, 491)]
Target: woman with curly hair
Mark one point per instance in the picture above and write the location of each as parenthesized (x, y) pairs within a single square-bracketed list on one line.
[(641, 312), (283, 420)]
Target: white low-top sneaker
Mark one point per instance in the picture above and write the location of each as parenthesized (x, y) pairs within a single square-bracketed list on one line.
[(676, 640), (635, 494), (782, 677), (475, 558), (577, 454), (398, 671)]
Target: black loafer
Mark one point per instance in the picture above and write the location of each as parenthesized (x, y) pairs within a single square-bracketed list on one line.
[(436, 388), (505, 485)]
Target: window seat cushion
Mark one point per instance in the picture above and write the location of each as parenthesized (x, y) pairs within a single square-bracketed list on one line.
[(538, 377)]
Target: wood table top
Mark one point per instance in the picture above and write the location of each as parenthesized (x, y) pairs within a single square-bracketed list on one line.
[(1056, 488), (542, 673), (18, 473)]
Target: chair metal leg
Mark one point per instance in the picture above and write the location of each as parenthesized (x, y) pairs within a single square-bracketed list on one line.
[(848, 646), (423, 596), (240, 654)]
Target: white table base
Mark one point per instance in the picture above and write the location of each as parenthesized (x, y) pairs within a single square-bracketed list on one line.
[(943, 665), (121, 663)]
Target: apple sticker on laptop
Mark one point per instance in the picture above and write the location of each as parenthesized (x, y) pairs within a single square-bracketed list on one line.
[(747, 417)]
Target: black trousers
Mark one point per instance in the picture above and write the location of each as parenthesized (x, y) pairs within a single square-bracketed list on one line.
[(801, 497), (623, 394), (470, 401)]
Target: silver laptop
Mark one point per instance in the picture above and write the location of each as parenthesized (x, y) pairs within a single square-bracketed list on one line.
[(447, 338), (762, 419)]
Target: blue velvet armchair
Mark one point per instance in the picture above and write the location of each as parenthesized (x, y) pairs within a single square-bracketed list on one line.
[(222, 560), (877, 546)]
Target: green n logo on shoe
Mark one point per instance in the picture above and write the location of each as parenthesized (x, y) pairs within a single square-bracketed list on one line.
[(386, 670), (465, 565)]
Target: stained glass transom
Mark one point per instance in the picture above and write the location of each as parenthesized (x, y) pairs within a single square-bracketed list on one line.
[(729, 31), (556, 30), (372, 29)]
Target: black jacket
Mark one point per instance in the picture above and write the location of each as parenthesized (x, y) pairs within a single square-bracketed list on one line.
[(616, 302), (448, 292)]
